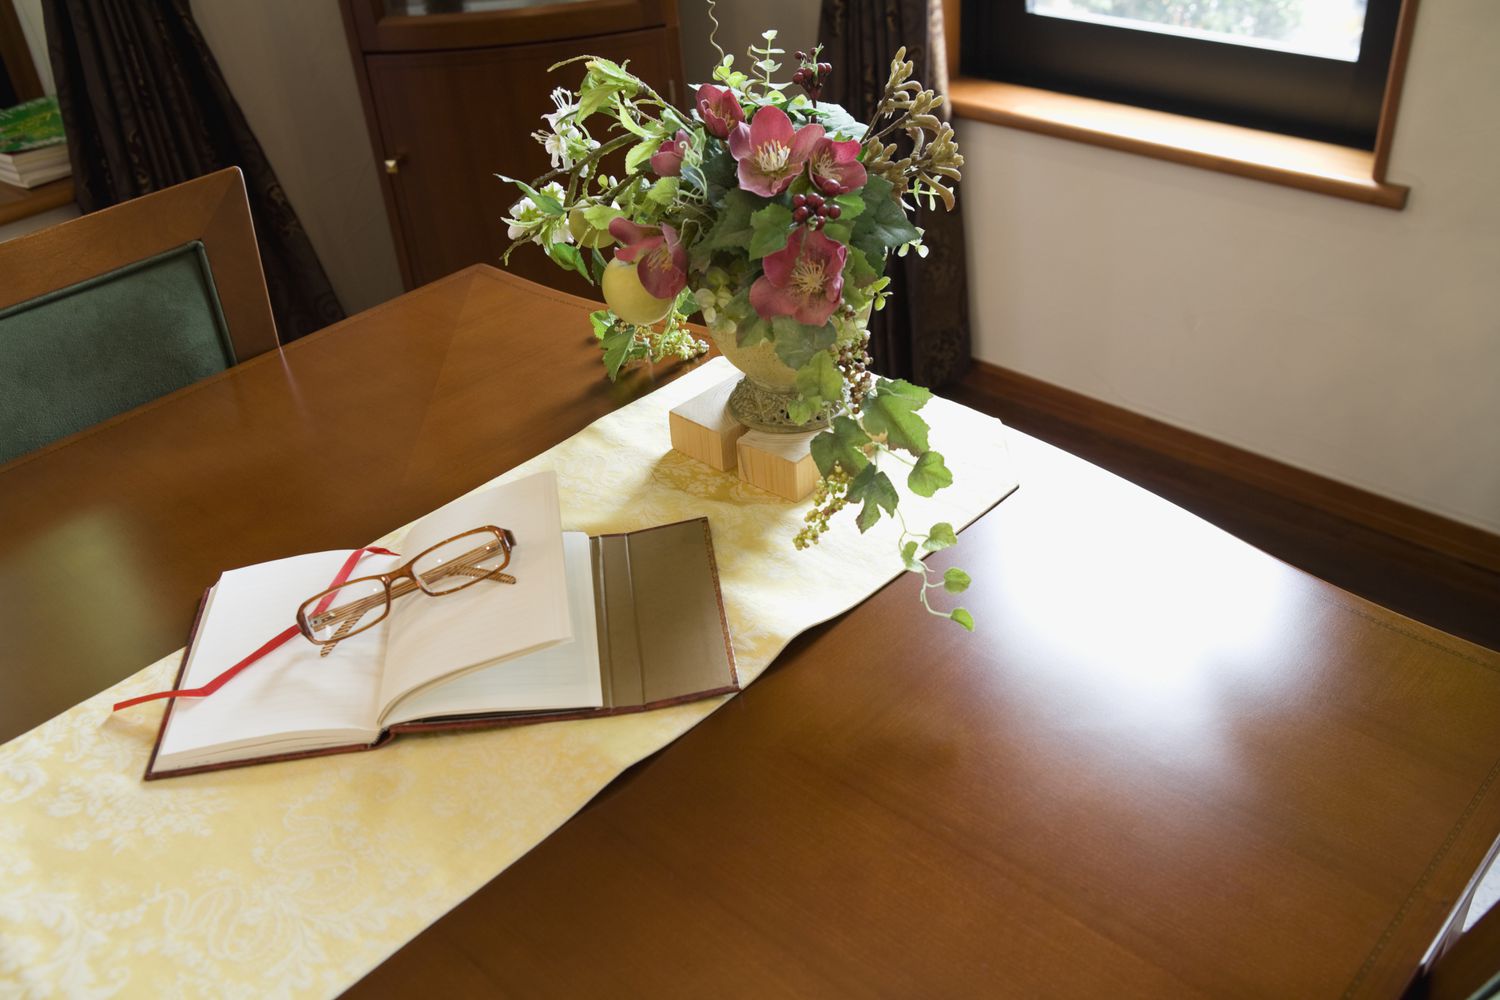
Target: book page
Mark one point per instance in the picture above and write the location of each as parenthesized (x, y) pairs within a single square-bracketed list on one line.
[(438, 637), (556, 677), (291, 698)]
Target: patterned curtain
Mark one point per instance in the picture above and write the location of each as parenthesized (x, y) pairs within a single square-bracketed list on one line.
[(145, 107), (923, 332)]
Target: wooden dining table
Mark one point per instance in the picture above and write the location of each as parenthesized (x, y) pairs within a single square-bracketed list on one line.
[(1165, 763)]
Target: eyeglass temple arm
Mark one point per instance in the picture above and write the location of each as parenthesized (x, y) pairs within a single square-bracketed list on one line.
[(462, 566)]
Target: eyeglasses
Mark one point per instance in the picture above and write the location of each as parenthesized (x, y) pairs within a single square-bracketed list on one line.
[(446, 568)]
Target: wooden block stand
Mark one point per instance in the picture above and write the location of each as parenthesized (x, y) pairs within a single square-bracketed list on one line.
[(702, 428)]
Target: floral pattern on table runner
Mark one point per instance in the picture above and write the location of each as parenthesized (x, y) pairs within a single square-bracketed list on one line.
[(296, 879)]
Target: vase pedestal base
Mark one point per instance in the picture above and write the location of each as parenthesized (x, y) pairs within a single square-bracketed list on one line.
[(778, 463), (703, 428)]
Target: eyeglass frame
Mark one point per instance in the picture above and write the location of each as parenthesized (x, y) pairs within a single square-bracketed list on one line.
[(413, 583)]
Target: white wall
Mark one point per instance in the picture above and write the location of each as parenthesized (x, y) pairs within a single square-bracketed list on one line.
[(1353, 341), (29, 13), (288, 65)]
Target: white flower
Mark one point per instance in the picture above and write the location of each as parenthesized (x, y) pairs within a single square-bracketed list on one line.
[(563, 98)]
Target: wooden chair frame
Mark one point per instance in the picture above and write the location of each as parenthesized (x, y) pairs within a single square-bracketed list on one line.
[(212, 209)]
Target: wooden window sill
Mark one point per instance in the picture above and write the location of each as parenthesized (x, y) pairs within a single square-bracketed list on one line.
[(1280, 159), (18, 203)]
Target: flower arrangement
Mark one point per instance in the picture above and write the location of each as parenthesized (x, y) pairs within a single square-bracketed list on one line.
[(772, 215)]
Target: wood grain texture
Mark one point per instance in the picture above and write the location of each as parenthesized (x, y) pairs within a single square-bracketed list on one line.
[(512, 25), (1399, 520), (777, 463), (212, 208), (22, 203), (1231, 149), (15, 56), (1395, 80), (453, 99), (1265, 156), (1159, 760)]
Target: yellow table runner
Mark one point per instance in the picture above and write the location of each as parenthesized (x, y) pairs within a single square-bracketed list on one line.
[(296, 879)]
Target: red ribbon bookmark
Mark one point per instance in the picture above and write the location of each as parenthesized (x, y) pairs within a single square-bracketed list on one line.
[(291, 632)]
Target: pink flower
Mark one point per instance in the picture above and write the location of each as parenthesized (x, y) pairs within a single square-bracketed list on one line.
[(834, 167), (661, 263), (804, 281), (719, 109), (667, 161), (771, 152)]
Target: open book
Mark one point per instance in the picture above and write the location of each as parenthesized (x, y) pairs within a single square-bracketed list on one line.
[(591, 626)]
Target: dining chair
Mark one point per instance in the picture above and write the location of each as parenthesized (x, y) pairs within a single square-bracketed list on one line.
[(106, 312)]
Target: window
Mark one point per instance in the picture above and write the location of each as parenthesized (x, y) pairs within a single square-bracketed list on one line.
[(1311, 68)]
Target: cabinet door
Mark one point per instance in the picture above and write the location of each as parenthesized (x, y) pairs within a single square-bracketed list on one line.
[(453, 120)]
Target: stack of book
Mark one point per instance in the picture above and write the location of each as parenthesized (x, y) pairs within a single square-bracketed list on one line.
[(33, 149)]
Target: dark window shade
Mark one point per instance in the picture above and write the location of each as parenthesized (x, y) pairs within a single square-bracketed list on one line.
[(1317, 98)]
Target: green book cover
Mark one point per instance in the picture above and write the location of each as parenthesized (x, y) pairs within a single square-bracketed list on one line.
[(31, 125)]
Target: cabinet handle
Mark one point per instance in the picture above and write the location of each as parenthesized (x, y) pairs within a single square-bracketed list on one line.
[(393, 164)]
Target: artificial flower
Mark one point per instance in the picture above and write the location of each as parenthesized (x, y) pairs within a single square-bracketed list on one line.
[(719, 109), (771, 152), (527, 221), (804, 280), (667, 161), (565, 141), (661, 262), (834, 167)]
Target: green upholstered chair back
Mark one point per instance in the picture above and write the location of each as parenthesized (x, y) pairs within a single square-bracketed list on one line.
[(112, 310), (82, 354)]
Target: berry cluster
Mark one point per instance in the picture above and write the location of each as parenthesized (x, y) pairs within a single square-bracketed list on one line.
[(813, 210), (812, 75), (832, 496), (853, 360)]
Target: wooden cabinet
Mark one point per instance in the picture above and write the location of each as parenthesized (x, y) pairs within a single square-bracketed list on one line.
[(453, 91)]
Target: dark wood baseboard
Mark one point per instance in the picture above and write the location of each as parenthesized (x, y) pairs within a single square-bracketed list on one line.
[(1391, 517)]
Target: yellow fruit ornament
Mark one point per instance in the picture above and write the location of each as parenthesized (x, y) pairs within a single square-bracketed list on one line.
[(588, 236), (628, 299)]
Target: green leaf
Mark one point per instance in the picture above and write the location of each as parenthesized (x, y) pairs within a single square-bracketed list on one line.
[(857, 269), (838, 122), (802, 410), (842, 444), (942, 536), (639, 154), (772, 228), (600, 216), (599, 264), (600, 321), (618, 347), (838, 231), (955, 580), (883, 224), (875, 489), (850, 206), (797, 343), (820, 380), (568, 256), (733, 229), (929, 474), (595, 98), (909, 558), (892, 410), (752, 331), (548, 204), (962, 616), (663, 191)]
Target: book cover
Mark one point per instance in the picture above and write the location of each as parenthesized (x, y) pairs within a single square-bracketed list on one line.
[(31, 125)]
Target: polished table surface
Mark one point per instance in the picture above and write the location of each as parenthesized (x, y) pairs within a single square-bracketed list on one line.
[(1165, 764)]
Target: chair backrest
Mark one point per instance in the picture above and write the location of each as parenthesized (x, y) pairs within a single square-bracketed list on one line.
[(109, 311)]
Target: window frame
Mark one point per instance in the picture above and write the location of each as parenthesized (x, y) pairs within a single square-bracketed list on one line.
[(1306, 96)]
